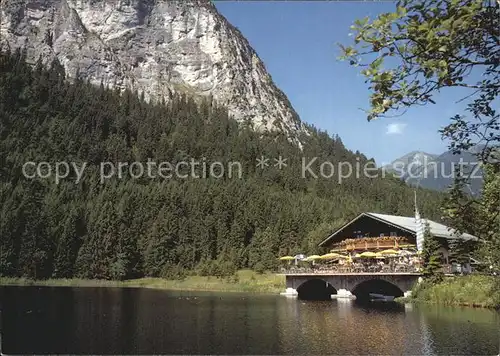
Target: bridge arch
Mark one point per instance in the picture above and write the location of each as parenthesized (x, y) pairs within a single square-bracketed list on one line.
[(377, 286), (315, 289)]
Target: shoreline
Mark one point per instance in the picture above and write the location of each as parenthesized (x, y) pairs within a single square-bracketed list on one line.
[(472, 305), (466, 291), (245, 282)]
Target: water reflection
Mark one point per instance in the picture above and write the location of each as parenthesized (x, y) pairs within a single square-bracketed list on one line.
[(344, 327), (141, 321), (480, 327)]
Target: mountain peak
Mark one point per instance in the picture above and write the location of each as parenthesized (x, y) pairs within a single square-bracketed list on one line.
[(414, 158), (436, 172), (152, 47)]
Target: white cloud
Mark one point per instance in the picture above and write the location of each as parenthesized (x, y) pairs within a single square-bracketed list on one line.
[(395, 129)]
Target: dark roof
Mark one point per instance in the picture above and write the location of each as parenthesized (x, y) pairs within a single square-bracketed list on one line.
[(408, 224)]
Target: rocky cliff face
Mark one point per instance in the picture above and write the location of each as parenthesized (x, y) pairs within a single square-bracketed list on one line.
[(153, 46)]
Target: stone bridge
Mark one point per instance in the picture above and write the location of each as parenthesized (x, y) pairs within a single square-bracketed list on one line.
[(350, 284)]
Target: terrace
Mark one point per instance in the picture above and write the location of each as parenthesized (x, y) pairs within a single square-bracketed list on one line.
[(355, 268), (372, 243), (384, 255)]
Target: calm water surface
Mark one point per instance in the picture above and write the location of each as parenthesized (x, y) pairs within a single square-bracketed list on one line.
[(142, 321)]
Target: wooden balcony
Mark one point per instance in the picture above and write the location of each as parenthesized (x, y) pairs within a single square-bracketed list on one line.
[(372, 243)]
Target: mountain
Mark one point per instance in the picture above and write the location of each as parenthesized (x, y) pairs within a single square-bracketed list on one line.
[(410, 164), (154, 47), (436, 171)]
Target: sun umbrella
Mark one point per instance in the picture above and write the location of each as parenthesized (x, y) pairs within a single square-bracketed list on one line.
[(368, 254), (389, 252), (286, 258), (330, 256), (312, 258)]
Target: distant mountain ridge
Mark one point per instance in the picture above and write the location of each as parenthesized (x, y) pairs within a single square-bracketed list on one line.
[(437, 172)]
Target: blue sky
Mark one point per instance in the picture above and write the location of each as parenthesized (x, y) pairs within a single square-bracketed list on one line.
[(297, 42)]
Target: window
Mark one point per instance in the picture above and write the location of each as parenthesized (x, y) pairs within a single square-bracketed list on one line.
[(393, 233)]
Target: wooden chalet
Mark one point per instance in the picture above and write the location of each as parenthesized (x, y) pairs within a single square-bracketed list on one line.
[(373, 231)]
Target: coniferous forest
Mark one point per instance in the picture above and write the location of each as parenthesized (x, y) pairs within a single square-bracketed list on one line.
[(133, 227)]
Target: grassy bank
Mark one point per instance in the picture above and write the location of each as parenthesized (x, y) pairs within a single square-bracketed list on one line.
[(473, 290), (242, 281)]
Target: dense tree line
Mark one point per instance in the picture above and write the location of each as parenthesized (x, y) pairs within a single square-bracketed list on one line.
[(132, 227)]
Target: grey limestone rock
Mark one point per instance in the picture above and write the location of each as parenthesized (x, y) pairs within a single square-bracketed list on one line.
[(154, 47)]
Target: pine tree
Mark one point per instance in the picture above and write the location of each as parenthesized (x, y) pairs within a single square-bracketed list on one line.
[(262, 257), (432, 269), (68, 246), (460, 251)]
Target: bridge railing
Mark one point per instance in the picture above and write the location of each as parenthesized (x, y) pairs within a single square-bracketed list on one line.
[(400, 268), (358, 268)]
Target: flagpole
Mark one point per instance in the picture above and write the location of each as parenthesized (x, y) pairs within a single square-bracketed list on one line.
[(419, 228)]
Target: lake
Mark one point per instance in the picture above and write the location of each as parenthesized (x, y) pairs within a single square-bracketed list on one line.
[(145, 321)]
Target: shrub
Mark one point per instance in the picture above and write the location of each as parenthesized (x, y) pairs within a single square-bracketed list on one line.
[(175, 272), (234, 278), (259, 268)]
